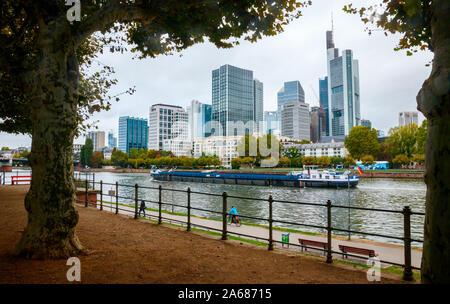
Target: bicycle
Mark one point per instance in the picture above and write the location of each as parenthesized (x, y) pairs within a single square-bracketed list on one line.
[(237, 220)]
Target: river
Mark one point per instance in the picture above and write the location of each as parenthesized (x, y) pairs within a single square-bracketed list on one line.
[(382, 193)]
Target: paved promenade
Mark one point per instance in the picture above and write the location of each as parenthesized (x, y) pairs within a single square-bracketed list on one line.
[(386, 252)]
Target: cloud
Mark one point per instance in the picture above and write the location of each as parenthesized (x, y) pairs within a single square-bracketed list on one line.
[(389, 80)]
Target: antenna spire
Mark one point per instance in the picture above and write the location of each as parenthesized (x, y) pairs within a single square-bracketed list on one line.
[(332, 25)]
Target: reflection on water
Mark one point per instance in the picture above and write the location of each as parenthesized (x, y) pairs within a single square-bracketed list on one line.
[(392, 194)]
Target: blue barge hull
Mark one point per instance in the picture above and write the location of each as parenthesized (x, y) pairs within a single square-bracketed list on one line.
[(248, 179)]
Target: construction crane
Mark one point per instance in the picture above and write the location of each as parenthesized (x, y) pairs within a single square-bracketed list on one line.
[(317, 97)]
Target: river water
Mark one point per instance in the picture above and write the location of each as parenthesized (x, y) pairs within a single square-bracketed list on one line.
[(381, 193)]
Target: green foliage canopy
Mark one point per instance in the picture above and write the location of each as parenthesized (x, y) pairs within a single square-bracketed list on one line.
[(362, 141)]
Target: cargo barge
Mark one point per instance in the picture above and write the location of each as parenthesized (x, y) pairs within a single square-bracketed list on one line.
[(314, 178)]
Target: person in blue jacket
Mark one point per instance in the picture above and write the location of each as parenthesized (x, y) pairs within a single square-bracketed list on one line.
[(234, 214)]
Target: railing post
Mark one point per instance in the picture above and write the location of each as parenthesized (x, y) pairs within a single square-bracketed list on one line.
[(189, 209), (159, 204), (86, 194), (407, 272), (136, 201), (270, 223), (101, 195), (117, 197), (224, 216), (329, 257)]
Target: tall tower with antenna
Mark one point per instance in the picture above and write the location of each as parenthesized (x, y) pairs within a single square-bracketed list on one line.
[(343, 89)]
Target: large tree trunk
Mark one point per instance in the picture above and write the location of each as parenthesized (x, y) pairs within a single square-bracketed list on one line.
[(50, 232), (434, 102)]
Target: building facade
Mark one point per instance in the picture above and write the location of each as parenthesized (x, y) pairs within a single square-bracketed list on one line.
[(258, 105), (232, 101), (295, 121), (112, 140), (366, 123), (133, 133), (323, 97), (292, 91), (333, 149), (199, 119), (405, 118), (166, 122), (224, 147), (179, 147), (318, 124), (98, 140), (271, 122), (343, 90)]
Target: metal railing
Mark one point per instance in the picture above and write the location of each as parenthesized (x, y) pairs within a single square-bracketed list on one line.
[(406, 213)]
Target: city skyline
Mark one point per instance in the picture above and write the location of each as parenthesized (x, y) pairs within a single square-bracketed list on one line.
[(391, 88)]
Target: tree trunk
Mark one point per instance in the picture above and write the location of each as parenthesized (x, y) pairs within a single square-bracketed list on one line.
[(50, 232), (434, 102)]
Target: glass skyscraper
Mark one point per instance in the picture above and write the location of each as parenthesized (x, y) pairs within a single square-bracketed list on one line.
[(291, 91), (270, 121), (323, 95), (343, 90), (199, 115), (133, 133), (258, 105), (233, 100), (112, 140)]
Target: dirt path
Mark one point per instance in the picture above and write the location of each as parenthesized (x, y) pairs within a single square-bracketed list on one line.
[(129, 251)]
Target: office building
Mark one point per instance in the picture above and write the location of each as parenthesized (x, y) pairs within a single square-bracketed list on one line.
[(224, 147), (332, 149), (323, 98), (318, 124), (343, 90), (271, 122), (292, 91), (166, 122), (98, 140), (233, 101), (199, 119), (258, 105), (133, 133), (179, 147), (295, 121), (366, 123), (405, 118), (112, 140)]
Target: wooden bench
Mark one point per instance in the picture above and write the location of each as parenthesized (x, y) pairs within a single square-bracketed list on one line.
[(304, 243), (346, 249)]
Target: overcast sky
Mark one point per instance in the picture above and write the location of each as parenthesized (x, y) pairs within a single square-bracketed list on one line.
[(389, 80)]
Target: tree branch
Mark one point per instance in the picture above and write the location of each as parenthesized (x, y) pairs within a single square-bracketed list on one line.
[(113, 11)]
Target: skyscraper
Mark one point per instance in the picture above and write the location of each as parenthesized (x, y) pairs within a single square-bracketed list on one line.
[(98, 140), (405, 118), (112, 140), (233, 100), (323, 95), (258, 105), (291, 91), (199, 115), (343, 90), (166, 122), (318, 124), (133, 133), (271, 122), (295, 121)]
